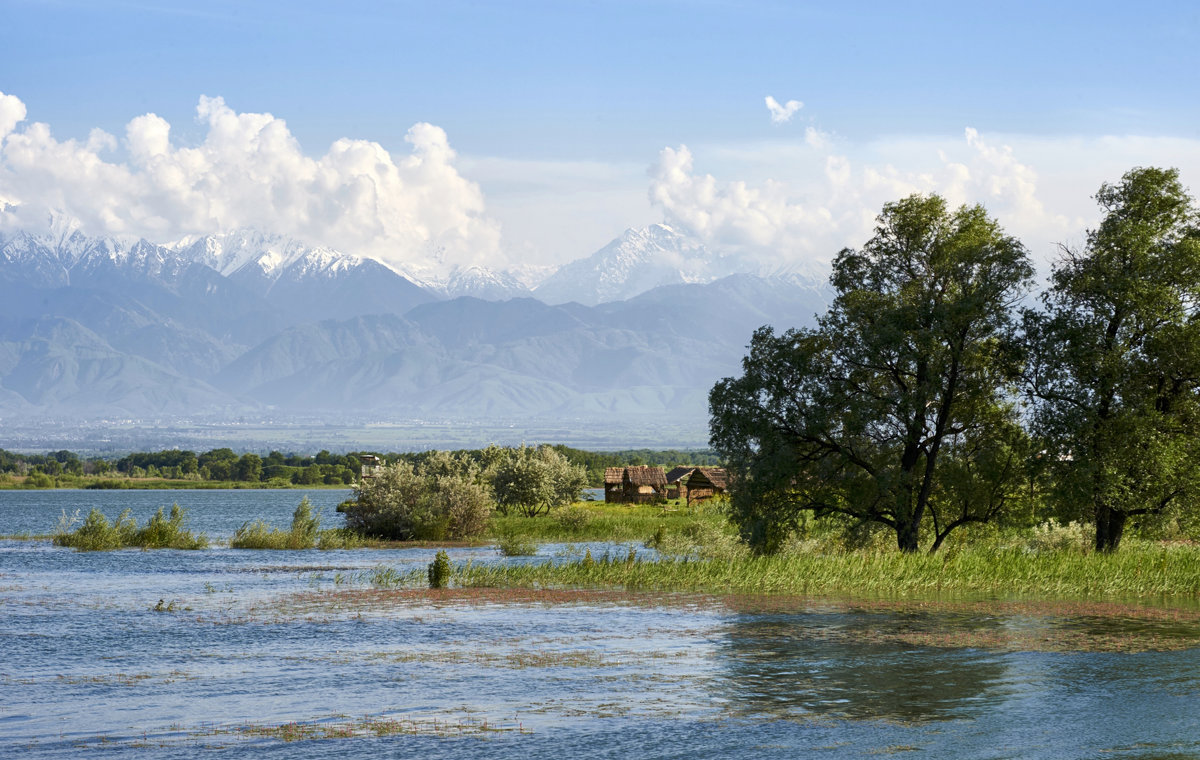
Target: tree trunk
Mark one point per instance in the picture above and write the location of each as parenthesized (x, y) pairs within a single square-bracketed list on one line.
[(907, 535), (1110, 526)]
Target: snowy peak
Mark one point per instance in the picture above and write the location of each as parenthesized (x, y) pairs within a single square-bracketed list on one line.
[(486, 284), (637, 261), (266, 254)]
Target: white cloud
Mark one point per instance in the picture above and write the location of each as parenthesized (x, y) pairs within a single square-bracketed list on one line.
[(414, 210), (782, 113), (12, 113), (807, 200)]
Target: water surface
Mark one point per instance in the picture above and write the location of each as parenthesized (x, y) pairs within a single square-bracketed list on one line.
[(246, 642)]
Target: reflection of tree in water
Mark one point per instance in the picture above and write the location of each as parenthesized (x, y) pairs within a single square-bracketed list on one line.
[(841, 664)]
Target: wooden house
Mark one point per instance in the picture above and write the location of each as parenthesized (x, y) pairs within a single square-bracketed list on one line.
[(634, 485), (677, 482), (704, 483)]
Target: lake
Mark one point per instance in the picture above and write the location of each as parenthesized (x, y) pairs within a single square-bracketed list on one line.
[(227, 653)]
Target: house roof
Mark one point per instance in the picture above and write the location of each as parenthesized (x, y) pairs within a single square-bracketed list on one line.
[(613, 475), (715, 475), (678, 474), (646, 475)]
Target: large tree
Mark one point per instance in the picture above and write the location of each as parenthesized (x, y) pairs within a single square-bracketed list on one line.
[(1116, 351), (895, 409)]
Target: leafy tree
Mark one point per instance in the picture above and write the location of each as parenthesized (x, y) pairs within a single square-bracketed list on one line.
[(249, 468), (894, 409), (535, 480), (1117, 357)]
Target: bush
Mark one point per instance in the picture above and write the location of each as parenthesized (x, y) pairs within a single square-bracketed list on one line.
[(535, 480), (39, 480), (439, 499), (574, 518), (439, 570), (513, 545)]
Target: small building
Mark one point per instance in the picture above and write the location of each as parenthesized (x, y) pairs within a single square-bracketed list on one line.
[(371, 465), (676, 482), (634, 485), (705, 482)]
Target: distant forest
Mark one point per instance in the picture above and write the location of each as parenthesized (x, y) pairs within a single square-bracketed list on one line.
[(66, 469)]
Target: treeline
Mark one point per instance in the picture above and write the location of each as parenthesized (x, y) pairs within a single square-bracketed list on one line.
[(224, 465), (931, 396)]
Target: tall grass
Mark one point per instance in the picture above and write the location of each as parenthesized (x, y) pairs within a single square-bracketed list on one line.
[(1140, 569), (601, 522), (96, 533), (303, 534)]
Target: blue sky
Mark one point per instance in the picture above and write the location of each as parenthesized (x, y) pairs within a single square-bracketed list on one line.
[(559, 112)]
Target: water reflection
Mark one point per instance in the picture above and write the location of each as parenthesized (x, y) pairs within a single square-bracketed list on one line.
[(841, 664)]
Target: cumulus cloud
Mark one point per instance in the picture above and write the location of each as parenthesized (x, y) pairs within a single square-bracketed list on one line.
[(413, 210), (12, 113), (782, 113), (832, 203)]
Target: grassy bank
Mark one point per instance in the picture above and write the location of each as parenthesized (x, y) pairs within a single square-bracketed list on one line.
[(1137, 570)]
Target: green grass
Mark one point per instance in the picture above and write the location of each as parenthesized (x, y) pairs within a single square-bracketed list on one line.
[(96, 533), (597, 521), (1140, 569)]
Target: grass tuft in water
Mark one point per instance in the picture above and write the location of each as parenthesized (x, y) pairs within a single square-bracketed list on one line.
[(98, 534), (303, 534), (513, 545)]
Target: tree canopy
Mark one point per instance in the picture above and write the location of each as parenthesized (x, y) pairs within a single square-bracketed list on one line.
[(1115, 357), (897, 408)]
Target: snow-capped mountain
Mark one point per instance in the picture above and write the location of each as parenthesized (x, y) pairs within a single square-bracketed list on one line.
[(257, 255), (488, 284), (635, 262)]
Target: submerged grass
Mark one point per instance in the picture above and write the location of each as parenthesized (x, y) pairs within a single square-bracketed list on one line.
[(96, 533)]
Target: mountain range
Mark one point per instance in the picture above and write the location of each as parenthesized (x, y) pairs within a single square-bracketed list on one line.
[(244, 321)]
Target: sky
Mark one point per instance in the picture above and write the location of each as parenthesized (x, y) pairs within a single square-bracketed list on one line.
[(528, 134)]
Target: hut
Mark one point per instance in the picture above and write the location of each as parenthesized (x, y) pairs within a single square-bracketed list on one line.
[(677, 482), (705, 483), (634, 485), (614, 484)]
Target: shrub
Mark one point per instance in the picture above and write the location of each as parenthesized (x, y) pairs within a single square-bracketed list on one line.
[(574, 518), (535, 480), (439, 570), (440, 499), (39, 480), (513, 545)]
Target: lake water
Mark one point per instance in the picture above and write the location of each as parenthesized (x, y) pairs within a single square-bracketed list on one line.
[(246, 643)]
